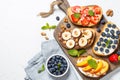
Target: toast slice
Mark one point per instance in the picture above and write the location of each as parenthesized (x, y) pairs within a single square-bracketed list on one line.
[(108, 41), (77, 38), (85, 68), (85, 15)]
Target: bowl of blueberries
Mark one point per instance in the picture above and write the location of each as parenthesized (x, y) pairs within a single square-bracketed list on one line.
[(57, 65)]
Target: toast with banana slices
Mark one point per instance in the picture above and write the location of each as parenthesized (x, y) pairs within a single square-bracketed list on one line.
[(108, 41), (85, 15), (77, 38), (92, 67)]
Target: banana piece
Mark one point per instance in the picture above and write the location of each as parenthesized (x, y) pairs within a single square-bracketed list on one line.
[(82, 42), (70, 44), (76, 32), (87, 34), (66, 35)]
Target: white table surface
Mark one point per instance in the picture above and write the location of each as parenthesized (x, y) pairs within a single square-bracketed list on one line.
[(20, 29)]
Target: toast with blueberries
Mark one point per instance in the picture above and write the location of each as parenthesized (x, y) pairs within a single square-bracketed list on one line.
[(85, 15), (108, 41)]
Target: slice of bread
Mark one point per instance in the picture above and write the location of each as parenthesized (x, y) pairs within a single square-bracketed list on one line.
[(74, 40), (108, 41), (92, 20), (87, 70)]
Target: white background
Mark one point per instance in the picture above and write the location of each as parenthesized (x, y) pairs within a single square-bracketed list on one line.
[(20, 29)]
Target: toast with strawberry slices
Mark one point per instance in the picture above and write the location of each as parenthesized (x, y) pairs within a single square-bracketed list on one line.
[(85, 15)]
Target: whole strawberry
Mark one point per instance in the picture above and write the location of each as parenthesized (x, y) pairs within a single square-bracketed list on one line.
[(113, 58)]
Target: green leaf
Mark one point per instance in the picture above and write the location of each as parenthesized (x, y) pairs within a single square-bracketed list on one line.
[(91, 13), (44, 27), (82, 51), (107, 43), (53, 27), (41, 69), (92, 63), (73, 52), (59, 66), (47, 24), (77, 15)]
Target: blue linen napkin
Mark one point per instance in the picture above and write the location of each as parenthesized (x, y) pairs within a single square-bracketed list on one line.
[(47, 48)]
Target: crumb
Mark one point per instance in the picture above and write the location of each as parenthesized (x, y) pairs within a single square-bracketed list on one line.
[(46, 38), (66, 20), (109, 12), (43, 33)]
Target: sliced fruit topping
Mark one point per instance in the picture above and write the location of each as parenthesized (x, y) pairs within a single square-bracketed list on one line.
[(82, 42), (99, 66), (84, 62), (113, 58), (105, 67), (97, 9), (87, 34), (70, 44), (76, 9), (75, 17), (66, 35), (87, 68), (76, 32), (94, 19)]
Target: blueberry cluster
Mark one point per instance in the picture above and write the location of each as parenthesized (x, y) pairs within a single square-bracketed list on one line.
[(109, 39), (57, 65)]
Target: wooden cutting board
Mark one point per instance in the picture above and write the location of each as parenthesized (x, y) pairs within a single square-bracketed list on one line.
[(73, 60)]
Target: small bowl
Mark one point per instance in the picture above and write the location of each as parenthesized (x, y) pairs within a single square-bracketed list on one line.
[(57, 65)]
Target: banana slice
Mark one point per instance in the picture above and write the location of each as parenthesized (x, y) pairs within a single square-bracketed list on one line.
[(87, 34), (82, 42), (76, 32), (66, 35), (70, 44)]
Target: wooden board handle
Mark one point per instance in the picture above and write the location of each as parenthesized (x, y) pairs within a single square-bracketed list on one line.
[(64, 5)]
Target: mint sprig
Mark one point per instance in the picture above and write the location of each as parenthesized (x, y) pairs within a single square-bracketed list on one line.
[(92, 63), (107, 43), (91, 13), (59, 66), (41, 69), (76, 53), (47, 26)]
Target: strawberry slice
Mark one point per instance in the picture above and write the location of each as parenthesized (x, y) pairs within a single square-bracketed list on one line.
[(94, 19), (75, 17), (97, 9), (76, 9)]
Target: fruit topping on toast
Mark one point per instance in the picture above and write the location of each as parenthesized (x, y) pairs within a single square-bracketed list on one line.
[(92, 67), (76, 38), (85, 15), (108, 41)]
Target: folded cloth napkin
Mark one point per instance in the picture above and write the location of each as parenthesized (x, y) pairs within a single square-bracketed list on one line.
[(47, 48)]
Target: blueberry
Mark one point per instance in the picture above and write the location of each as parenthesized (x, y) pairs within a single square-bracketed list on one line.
[(49, 62), (61, 69), (58, 57), (51, 70), (109, 25), (49, 66), (117, 37), (103, 34), (113, 37), (111, 41), (109, 46), (106, 29), (103, 22), (118, 52), (115, 42), (112, 32), (64, 68), (103, 45), (68, 25), (101, 49), (113, 26), (105, 40), (101, 39), (98, 30), (113, 46), (98, 43), (95, 48), (107, 51), (52, 65), (56, 67), (118, 32), (64, 61), (108, 35), (57, 18)]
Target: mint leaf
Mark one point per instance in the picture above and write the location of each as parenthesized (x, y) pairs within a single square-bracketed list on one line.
[(91, 13), (53, 27), (107, 43), (47, 26), (44, 27), (41, 69), (92, 63), (73, 52), (82, 51), (77, 15), (59, 66)]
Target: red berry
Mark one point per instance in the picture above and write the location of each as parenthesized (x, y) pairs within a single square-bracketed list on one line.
[(113, 58)]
